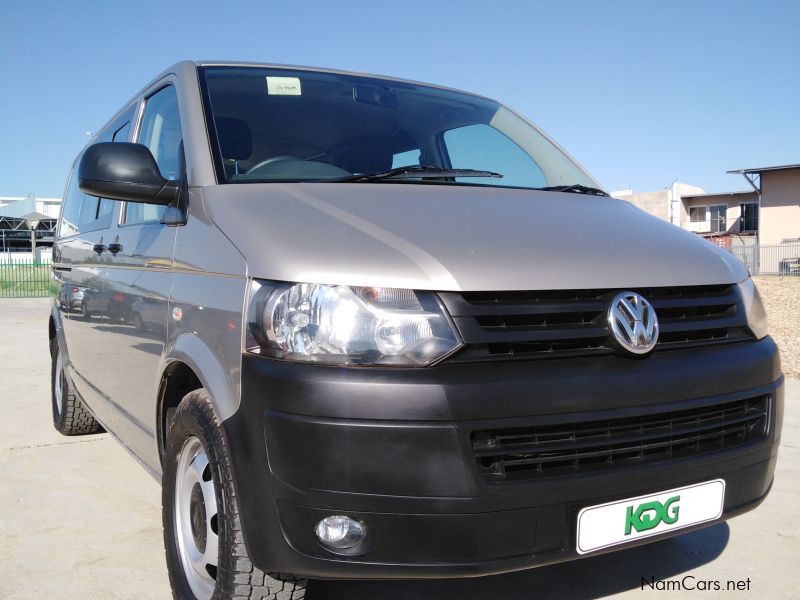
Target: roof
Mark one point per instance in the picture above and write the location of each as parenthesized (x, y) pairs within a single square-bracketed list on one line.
[(745, 193), (37, 216), (762, 169)]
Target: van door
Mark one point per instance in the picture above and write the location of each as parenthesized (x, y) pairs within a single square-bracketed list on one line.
[(79, 267), (80, 256), (139, 282)]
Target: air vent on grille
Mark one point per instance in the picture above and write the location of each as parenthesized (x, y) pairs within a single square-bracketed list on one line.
[(561, 323), (542, 451)]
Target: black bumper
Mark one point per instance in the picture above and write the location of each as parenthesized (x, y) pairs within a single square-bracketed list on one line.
[(392, 448)]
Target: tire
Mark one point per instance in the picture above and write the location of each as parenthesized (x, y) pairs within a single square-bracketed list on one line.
[(137, 322), (198, 473), (70, 414)]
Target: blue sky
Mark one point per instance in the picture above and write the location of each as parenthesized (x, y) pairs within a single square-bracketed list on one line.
[(641, 93)]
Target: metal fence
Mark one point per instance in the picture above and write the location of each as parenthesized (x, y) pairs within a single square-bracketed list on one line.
[(20, 279), (770, 259)]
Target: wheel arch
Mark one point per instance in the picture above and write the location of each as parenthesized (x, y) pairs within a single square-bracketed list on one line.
[(55, 331), (191, 364)]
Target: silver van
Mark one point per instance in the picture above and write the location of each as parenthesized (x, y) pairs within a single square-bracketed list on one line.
[(361, 327)]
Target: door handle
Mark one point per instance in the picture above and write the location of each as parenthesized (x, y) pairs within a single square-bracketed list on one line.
[(114, 247), (99, 248)]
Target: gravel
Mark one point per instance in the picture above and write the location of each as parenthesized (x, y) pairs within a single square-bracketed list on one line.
[(782, 298)]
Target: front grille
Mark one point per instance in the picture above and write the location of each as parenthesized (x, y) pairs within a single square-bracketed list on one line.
[(552, 450), (563, 323)]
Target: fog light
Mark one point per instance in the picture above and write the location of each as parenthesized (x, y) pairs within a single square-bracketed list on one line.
[(338, 532)]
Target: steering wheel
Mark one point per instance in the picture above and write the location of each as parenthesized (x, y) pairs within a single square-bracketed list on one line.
[(273, 159)]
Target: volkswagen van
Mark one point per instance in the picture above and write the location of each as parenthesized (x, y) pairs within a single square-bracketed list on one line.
[(363, 327)]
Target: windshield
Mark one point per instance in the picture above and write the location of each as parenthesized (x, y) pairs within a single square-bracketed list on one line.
[(270, 124)]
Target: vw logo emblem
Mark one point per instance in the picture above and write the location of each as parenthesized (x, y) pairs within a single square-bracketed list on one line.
[(633, 322)]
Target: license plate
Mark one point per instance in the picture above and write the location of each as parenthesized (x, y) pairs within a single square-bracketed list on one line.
[(623, 521)]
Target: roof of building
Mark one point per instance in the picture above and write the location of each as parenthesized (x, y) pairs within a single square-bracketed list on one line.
[(744, 193), (37, 216), (762, 169)]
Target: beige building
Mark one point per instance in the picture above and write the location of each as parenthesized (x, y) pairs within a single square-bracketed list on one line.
[(769, 213), (734, 213), (779, 192)]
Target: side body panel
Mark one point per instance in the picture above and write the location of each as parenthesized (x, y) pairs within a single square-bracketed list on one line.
[(181, 291), (206, 306), (139, 281)]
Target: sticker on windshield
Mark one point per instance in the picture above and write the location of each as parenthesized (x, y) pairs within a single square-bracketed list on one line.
[(283, 86)]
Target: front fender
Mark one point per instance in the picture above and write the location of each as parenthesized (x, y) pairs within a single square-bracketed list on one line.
[(222, 383)]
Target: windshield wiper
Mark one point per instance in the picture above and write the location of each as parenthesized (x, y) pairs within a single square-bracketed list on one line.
[(575, 188), (416, 172)]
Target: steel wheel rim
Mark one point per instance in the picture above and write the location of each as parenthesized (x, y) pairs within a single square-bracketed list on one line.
[(199, 560), (58, 383)]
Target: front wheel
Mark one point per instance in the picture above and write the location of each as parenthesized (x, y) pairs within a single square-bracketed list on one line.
[(206, 556)]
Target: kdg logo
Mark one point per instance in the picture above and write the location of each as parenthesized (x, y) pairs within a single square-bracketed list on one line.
[(650, 514)]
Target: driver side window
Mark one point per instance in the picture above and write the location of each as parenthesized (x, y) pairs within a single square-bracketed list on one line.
[(160, 131)]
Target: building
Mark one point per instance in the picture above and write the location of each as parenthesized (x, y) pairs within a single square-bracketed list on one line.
[(760, 225), (778, 192), (25, 222), (16, 206), (664, 204), (722, 217), (769, 213)]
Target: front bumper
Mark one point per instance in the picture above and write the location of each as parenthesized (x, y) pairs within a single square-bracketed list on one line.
[(392, 448)]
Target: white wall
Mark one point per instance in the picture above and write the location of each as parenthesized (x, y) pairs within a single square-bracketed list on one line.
[(46, 206), (43, 255), (677, 212)]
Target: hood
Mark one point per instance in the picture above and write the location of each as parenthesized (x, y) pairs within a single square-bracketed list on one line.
[(458, 238)]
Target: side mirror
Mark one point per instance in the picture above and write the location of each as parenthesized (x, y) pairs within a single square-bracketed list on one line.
[(125, 171)]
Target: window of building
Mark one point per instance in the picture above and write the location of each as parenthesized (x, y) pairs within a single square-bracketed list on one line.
[(719, 218), (697, 214), (160, 131), (749, 219)]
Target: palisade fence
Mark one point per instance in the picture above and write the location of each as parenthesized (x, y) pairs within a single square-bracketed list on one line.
[(22, 277), (770, 259)]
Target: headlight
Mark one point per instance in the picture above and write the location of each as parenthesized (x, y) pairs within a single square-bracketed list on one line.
[(348, 325), (754, 308)]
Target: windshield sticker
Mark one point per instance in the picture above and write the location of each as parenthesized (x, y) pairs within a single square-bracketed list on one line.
[(283, 86)]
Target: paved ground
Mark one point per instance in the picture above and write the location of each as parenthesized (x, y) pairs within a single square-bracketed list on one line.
[(80, 519)]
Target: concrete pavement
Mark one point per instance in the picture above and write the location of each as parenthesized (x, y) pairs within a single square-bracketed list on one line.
[(80, 519)]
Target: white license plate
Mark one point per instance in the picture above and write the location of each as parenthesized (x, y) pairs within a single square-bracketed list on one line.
[(631, 519)]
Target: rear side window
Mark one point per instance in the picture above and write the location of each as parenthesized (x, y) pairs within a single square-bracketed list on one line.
[(81, 212), (160, 131), (119, 129)]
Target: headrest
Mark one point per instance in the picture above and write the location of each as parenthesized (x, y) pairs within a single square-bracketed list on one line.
[(235, 138)]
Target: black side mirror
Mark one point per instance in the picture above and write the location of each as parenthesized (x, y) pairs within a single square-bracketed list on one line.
[(125, 171)]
